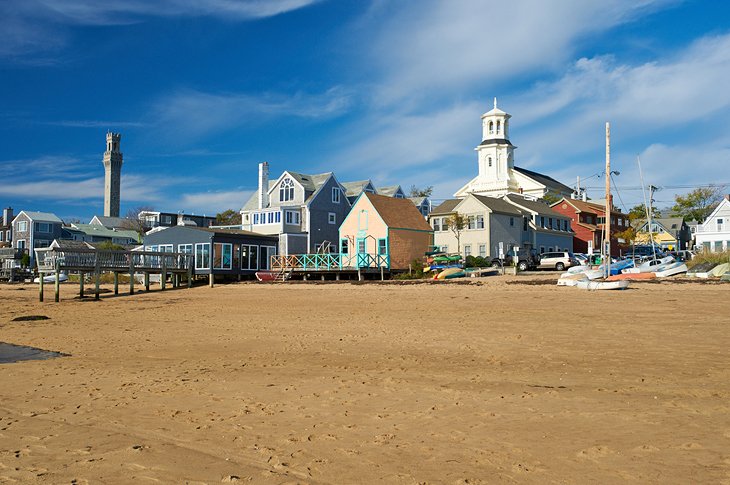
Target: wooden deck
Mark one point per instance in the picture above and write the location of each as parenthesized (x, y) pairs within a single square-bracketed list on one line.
[(98, 261), (338, 264)]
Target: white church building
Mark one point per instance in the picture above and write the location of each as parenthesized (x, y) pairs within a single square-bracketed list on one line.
[(498, 175)]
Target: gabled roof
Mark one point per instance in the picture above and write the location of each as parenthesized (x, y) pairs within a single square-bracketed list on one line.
[(310, 182), (583, 206), (68, 244), (398, 213), (545, 180), (670, 223), (353, 189), (389, 190), (417, 200), (725, 202), (446, 207), (110, 222), (538, 206), (498, 205), (253, 201), (101, 231), (41, 216)]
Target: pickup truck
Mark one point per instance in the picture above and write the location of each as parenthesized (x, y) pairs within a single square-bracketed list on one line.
[(525, 260)]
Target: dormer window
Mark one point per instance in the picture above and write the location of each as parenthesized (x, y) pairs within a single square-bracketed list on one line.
[(286, 190)]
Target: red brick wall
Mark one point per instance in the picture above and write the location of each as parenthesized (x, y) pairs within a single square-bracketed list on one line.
[(405, 246)]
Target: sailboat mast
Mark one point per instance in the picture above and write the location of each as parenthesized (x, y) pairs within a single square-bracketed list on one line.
[(607, 221)]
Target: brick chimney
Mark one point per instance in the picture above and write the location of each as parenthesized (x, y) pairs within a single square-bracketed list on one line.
[(7, 216)]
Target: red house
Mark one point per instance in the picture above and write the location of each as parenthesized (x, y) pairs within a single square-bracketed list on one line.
[(588, 219)]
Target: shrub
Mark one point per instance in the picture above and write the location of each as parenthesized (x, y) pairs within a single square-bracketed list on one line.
[(708, 257), (476, 262)]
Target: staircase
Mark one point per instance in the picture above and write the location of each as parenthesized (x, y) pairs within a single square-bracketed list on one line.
[(283, 275)]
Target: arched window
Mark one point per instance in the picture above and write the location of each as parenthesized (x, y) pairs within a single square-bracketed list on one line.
[(498, 123), (286, 190), (491, 127), (490, 161)]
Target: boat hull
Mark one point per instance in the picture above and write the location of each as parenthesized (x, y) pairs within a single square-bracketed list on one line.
[(266, 276), (603, 285)]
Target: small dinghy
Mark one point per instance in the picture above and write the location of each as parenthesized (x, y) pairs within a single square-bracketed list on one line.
[(632, 276), (719, 270), (51, 278), (571, 279), (450, 273), (702, 268), (671, 270), (651, 266), (603, 285)]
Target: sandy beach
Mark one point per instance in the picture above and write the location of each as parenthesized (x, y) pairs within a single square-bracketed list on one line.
[(370, 383)]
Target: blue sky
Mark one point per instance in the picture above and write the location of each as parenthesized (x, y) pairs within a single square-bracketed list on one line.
[(202, 91)]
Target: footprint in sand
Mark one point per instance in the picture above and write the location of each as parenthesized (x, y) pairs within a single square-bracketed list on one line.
[(595, 452)]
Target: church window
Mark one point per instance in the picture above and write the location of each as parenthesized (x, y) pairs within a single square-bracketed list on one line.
[(498, 126), (490, 161), (491, 127), (286, 191)]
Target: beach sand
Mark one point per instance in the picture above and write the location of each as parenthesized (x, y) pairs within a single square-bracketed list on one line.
[(370, 383)]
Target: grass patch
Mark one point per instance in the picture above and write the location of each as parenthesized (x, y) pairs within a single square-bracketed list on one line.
[(708, 257)]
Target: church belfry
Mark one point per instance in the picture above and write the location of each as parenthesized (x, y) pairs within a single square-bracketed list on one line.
[(495, 152), (112, 174)]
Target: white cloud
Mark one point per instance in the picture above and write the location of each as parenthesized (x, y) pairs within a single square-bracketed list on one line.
[(189, 114), (434, 46), (39, 26), (213, 202)]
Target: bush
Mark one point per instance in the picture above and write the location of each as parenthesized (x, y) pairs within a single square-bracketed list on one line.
[(415, 274), (476, 262), (708, 257)]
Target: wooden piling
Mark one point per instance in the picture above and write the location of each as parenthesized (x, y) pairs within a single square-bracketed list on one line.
[(57, 286), (131, 274), (211, 279), (40, 287), (97, 284), (146, 281), (81, 285), (116, 283), (190, 276)]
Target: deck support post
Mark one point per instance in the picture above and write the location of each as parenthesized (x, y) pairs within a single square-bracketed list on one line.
[(305, 276), (359, 274), (323, 277), (116, 283), (131, 274), (190, 276), (146, 281), (211, 279), (40, 287), (57, 284), (337, 276), (81, 285), (382, 276), (163, 275), (97, 275)]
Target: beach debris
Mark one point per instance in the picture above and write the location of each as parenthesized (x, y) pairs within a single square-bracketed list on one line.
[(30, 318)]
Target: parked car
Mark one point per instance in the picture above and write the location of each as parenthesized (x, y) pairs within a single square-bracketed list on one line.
[(525, 259), (581, 258), (682, 255), (559, 260)]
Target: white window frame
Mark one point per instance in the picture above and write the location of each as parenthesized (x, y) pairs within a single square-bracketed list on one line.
[(43, 227), (286, 190), (480, 222), (332, 218), (467, 250), (483, 250), (336, 195), (165, 248), (203, 247), (22, 226), (20, 244), (185, 248), (292, 218)]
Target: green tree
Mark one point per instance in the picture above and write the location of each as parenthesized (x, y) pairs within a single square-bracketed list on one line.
[(228, 218), (638, 212), (457, 223), (551, 198), (697, 204), (420, 192)]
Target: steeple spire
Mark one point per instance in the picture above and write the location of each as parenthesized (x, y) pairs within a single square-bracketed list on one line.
[(495, 102)]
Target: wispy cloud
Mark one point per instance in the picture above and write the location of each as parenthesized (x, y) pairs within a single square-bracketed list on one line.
[(96, 124), (436, 46), (35, 27), (190, 114), (213, 202)]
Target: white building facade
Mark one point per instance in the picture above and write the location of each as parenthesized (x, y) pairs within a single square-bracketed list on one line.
[(714, 233)]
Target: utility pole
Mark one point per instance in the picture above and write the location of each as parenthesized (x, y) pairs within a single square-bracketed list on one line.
[(607, 219)]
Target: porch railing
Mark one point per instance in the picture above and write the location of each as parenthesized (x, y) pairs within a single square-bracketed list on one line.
[(50, 259), (334, 261)]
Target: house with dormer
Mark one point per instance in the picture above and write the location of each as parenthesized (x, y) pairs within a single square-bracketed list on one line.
[(354, 189), (714, 233), (304, 210)]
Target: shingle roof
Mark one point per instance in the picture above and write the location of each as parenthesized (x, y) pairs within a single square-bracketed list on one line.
[(446, 207), (101, 231), (398, 213), (234, 231), (498, 205), (584, 206), (353, 189), (388, 191), (42, 216), (417, 200), (253, 201), (111, 222), (545, 180), (538, 206)]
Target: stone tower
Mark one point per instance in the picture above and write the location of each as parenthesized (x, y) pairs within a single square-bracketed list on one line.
[(112, 174)]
